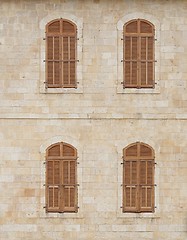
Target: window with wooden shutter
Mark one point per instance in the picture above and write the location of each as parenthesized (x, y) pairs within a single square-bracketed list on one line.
[(61, 178), (138, 178), (138, 54), (61, 39)]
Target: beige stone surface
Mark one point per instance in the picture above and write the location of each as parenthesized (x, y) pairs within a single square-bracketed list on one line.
[(99, 118)]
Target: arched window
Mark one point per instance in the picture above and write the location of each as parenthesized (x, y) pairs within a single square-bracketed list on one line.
[(61, 42), (61, 178), (138, 54), (138, 178)]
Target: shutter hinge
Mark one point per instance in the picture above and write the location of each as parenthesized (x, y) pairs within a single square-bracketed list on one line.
[(45, 85), (44, 60), (77, 38), (155, 60), (155, 39), (44, 184), (122, 82), (155, 206), (122, 39), (44, 162), (121, 162), (78, 162), (121, 207), (44, 38), (122, 60), (155, 185), (44, 207), (155, 163)]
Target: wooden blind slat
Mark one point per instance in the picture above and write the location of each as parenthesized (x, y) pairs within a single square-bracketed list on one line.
[(54, 151), (68, 150), (72, 174), (130, 63), (146, 199), (143, 172), (53, 58), (150, 73), (53, 199), (68, 27), (132, 151), (66, 172), (145, 27), (72, 197), (132, 27), (145, 150), (130, 198), (54, 27)]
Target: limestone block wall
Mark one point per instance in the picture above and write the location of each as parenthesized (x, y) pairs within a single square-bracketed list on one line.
[(99, 118)]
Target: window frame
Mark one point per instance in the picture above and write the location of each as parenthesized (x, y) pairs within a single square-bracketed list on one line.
[(139, 36), (61, 207), (119, 86), (79, 67), (138, 186), (61, 35)]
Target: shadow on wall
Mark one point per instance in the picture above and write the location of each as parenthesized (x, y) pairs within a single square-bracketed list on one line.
[(186, 226)]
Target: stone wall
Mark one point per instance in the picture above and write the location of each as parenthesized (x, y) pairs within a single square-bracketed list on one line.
[(99, 118)]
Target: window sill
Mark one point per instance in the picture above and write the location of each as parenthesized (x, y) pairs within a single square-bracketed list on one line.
[(121, 90), (138, 215), (61, 90), (62, 215)]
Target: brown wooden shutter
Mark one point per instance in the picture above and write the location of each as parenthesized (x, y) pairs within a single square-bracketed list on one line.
[(53, 61), (138, 178), (130, 183), (61, 59), (69, 61), (53, 54), (146, 178), (53, 185), (69, 186), (147, 54), (131, 58), (130, 189), (146, 186), (69, 178), (61, 178), (138, 54), (54, 151)]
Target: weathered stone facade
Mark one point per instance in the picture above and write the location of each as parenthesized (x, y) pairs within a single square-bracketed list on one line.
[(99, 118)]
